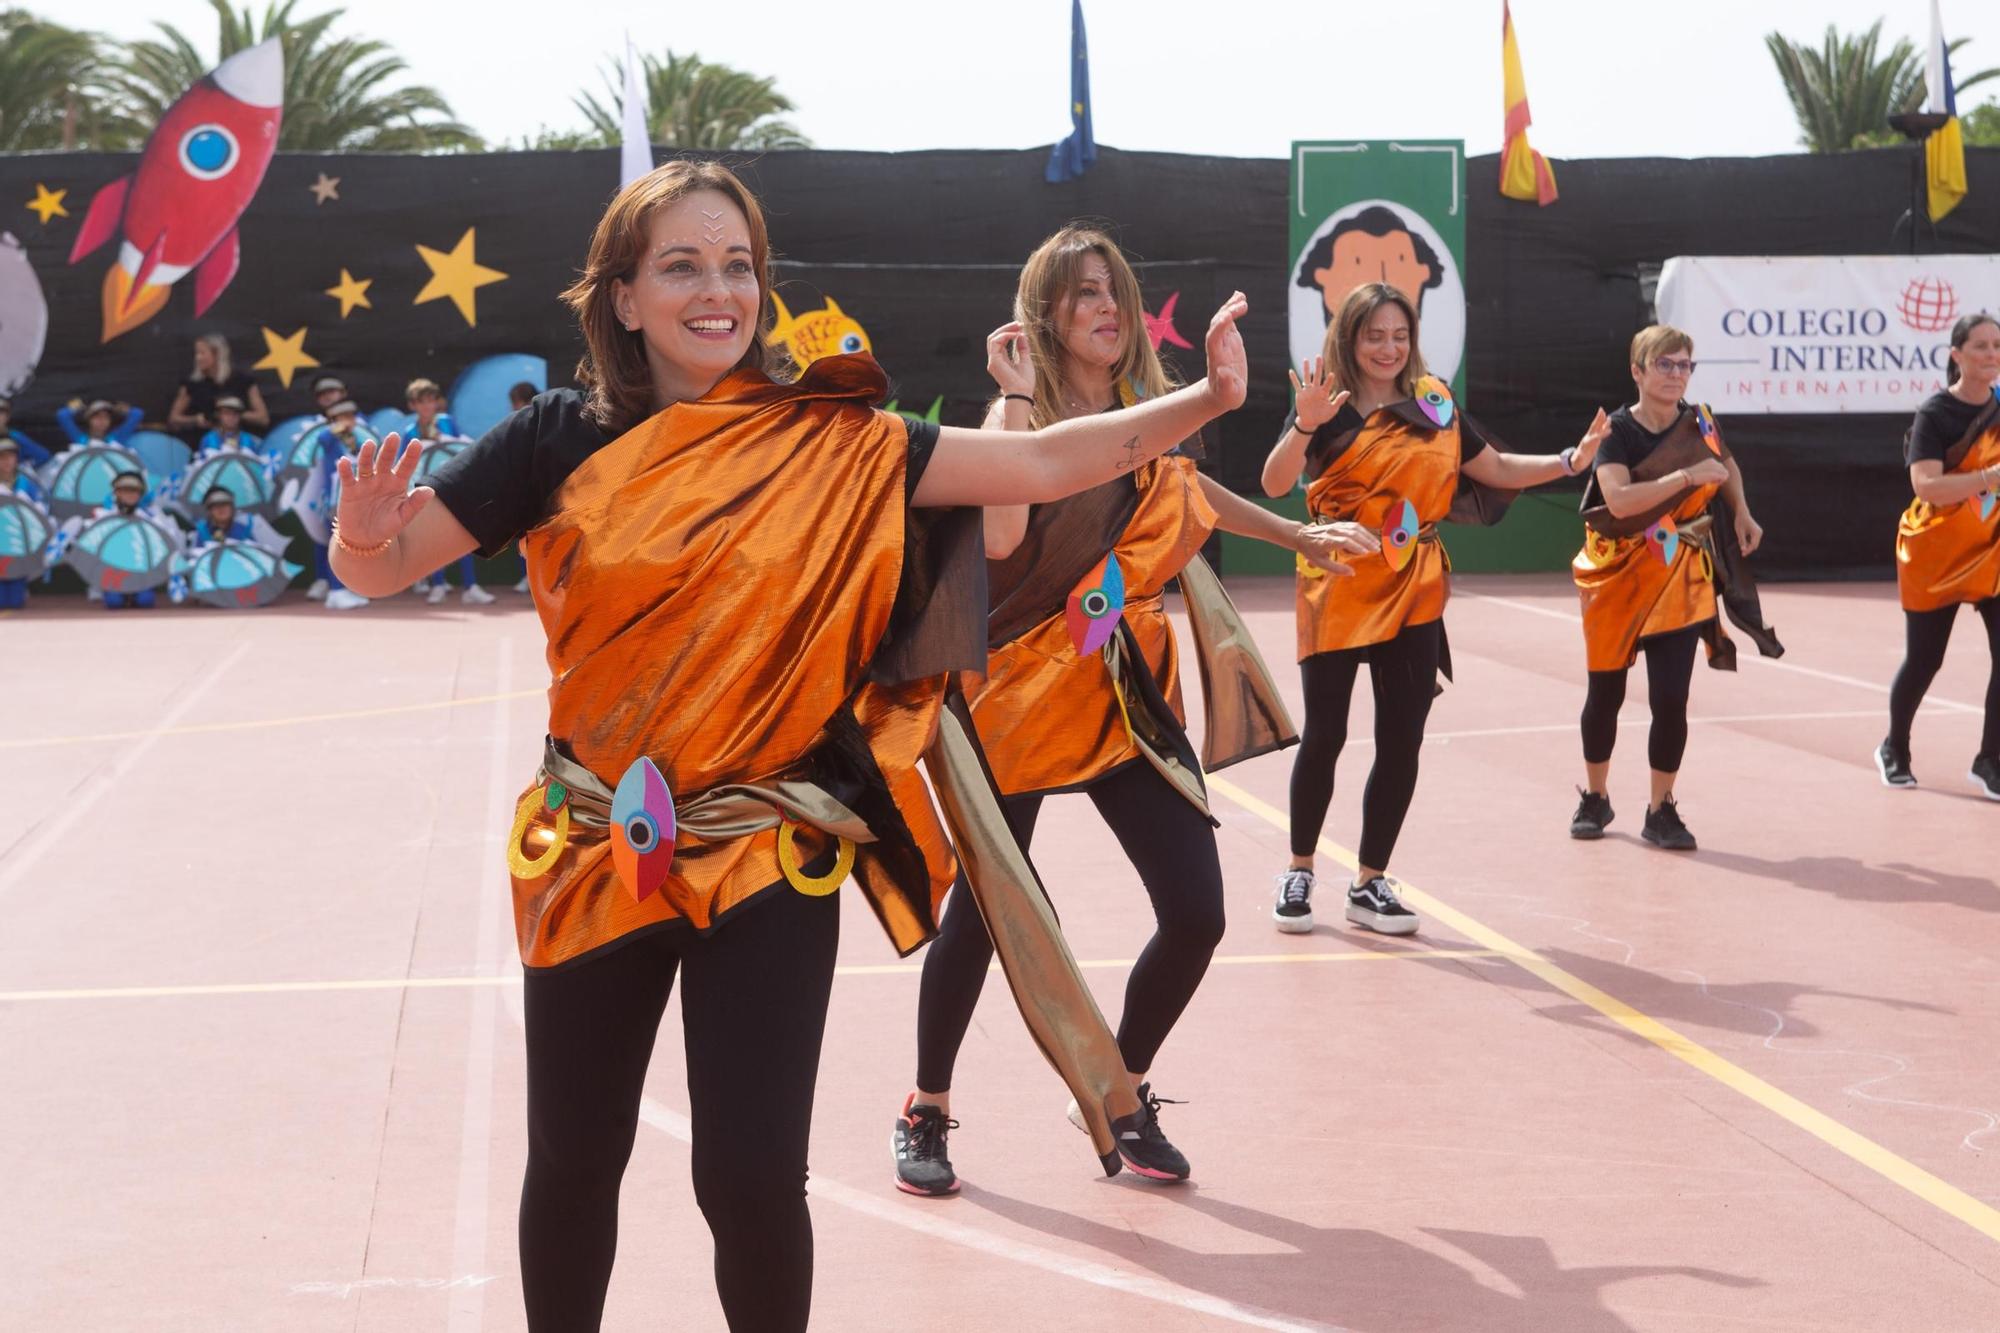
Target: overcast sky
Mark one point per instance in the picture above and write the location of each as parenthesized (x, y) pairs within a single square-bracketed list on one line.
[(1688, 78)]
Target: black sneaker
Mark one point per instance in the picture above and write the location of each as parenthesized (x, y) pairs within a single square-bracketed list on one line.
[(922, 1167), (1664, 828), (1593, 813), (1143, 1147), (1376, 906), (1985, 775), (1894, 766), (1294, 912)]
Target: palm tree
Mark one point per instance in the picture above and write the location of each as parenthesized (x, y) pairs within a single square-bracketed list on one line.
[(691, 103), (336, 98), (1845, 91), (57, 90)]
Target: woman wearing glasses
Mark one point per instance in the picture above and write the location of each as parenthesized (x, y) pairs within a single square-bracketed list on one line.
[(1665, 527)]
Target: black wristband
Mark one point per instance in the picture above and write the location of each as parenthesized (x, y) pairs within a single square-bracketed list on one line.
[(1018, 398)]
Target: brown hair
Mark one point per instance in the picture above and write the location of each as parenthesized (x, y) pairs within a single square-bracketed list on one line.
[(1656, 340), (1046, 297), (617, 382), (418, 388), (1961, 333), (1337, 350)]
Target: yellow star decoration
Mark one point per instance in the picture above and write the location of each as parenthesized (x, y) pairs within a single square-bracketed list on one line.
[(351, 292), (325, 188), (457, 275), (48, 203), (285, 355)]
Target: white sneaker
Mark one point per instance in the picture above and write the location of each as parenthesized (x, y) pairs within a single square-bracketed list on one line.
[(522, 586), (476, 596), (343, 599), (438, 593), (317, 593)]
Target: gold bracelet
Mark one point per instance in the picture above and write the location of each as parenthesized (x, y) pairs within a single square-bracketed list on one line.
[(363, 552)]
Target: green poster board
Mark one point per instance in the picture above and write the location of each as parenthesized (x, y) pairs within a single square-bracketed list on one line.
[(1380, 210)]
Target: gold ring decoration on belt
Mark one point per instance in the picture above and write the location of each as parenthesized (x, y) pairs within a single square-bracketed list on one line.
[(554, 797), (788, 861)]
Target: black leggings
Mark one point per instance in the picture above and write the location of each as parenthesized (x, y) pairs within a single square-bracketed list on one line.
[(1171, 846), (1925, 635), (1669, 673), (1404, 674), (753, 999)]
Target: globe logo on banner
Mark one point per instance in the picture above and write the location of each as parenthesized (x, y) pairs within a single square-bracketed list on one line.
[(1928, 305)]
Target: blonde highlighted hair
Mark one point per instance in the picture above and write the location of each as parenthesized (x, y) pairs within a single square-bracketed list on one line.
[(218, 346), (617, 381), (1343, 334), (1046, 297)]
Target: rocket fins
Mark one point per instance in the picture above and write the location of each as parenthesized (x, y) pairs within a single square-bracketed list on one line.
[(100, 224), (215, 272)]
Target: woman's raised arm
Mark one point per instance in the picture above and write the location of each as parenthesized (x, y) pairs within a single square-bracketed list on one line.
[(386, 535)]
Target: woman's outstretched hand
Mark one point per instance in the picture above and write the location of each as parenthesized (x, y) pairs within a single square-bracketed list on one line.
[(1586, 448), (1320, 546), (376, 501), (1228, 370), (1315, 403)]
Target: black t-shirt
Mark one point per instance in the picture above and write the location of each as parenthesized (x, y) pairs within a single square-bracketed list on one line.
[(1939, 424), (203, 391), (1472, 441), (501, 486), (1629, 443)]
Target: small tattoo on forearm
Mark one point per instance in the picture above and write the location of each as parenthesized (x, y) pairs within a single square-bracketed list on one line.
[(1131, 458)]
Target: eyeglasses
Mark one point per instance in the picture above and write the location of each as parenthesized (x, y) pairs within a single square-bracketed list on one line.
[(1669, 366)]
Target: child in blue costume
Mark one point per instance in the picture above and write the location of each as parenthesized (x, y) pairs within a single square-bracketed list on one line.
[(228, 432), (16, 480), (341, 436), (32, 453), (96, 424), (128, 494), (431, 424)]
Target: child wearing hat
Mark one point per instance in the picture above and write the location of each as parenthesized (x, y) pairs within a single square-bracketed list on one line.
[(102, 422), (128, 496), (32, 453), (15, 480), (341, 435), (228, 432)]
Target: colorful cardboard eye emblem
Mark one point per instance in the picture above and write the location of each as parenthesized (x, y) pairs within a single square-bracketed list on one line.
[(1710, 436), (1664, 539), (1988, 502), (1399, 536), (1435, 400), (553, 797), (642, 829), (1094, 608)]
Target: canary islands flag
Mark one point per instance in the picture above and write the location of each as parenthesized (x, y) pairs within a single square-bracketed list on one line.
[(1524, 173), (1944, 150), (1069, 159)]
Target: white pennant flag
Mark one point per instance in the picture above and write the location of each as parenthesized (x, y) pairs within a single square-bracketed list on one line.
[(636, 148)]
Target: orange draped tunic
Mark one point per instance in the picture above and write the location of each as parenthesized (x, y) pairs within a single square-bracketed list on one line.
[(1949, 554), (1049, 718), (1391, 458), (1627, 593), (714, 584)]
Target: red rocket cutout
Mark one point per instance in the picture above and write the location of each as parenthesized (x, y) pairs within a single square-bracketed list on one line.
[(177, 212)]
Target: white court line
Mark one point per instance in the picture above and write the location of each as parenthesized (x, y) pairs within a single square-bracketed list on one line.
[(1774, 663), (475, 1147), (22, 857)]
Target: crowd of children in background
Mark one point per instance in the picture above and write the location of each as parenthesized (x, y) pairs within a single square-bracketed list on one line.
[(98, 477)]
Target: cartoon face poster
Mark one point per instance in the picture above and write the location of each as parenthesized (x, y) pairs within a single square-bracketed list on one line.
[(1380, 211)]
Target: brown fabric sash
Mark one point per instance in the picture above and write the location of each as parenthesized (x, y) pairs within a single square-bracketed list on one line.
[(1474, 503), (1049, 990), (1682, 447), (1064, 542), (1986, 418), (1245, 715)]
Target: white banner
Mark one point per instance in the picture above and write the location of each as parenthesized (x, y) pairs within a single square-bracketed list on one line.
[(1859, 333)]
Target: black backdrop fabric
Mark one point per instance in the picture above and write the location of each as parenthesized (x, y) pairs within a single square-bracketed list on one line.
[(923, 249)]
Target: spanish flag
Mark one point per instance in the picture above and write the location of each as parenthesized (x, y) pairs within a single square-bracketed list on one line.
[(1524, 173), (1944, 150)]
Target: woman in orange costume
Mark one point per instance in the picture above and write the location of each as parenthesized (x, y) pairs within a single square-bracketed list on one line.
[(749, 637), (1666, 527), (1082, 685), (1948, 544), (1381, 444)]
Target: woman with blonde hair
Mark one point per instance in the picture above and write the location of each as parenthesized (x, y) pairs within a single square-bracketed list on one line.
[(1082, 683), (1381, 444), (750, 621), (215, 377)]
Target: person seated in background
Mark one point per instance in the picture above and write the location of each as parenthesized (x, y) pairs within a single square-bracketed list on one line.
[(102, 422), (32, 453), (215, 377), (326, 391), (15, 480), (128, 495), (221, 522), (228, 432), (342, 435), (431, 424)]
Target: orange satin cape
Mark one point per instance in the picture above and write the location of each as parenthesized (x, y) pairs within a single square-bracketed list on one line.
[(1627, 592), (713, 600), (1049, 718), (1399, 453), (1949, 554)]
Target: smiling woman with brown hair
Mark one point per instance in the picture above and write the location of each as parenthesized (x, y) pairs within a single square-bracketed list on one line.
[(746, 660)]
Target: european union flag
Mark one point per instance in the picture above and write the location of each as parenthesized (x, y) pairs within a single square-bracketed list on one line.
[(1070, 158)]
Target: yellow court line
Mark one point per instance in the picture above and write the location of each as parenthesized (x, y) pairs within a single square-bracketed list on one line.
[(1978, 1215), (257, 724), (514, 979)]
